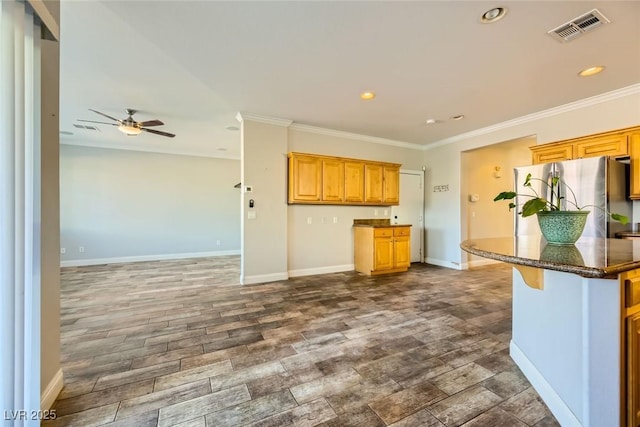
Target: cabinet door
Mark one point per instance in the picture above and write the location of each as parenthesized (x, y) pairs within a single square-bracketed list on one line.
[(634, 152), (353, 182), (555, 153), (332, 180), (633, 370), (383, 253), (373, 183), (305, 178), (611, 145), (391, 193), (402, 251)]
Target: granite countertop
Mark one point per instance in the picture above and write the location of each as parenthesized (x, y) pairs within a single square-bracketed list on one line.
[(589, 257), (377, 223)]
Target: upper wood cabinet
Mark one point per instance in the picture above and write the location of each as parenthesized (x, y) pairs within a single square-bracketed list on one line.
[(308, 183), (373, 183), (332, 180), (548, 153), (391, 189), (634, 153), (615, 144), (315, 179), (353, 181)]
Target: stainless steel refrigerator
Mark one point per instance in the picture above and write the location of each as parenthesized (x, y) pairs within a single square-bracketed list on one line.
[(597, 181)]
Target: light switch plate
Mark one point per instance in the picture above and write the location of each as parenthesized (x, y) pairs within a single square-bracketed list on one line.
[(251, 214)]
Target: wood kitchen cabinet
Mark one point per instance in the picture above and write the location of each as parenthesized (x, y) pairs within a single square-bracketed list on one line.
[(547, 153), (373, 183), (391, 189), (332, 180), (634, 153), (315, 179), (382, 250), (353, 182), (305, 183), (630, 282), (614, 144)]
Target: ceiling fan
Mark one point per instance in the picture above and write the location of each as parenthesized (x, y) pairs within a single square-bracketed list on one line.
[(130, 126)]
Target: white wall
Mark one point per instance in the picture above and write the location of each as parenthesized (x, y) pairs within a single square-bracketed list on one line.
[(324, 246), (486, 218), (128, 205), (264, 237), (443, 213)]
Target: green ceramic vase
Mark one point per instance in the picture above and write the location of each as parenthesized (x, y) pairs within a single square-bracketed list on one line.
[(562, 227)]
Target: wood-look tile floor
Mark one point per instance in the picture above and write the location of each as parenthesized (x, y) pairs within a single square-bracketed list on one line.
[(181, 343)]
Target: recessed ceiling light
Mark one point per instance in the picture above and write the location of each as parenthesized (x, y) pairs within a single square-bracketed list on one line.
[(458, 117), (367, 96), (591, 71), (221, 149), (492, 15), (431, 121), (232, 128), (65, 132)]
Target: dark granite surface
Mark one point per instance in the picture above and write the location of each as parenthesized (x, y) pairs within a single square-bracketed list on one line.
[(628, 234), (589, 257), (377, 223)]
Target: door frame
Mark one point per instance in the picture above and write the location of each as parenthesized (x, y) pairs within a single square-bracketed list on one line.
[(420, 173)]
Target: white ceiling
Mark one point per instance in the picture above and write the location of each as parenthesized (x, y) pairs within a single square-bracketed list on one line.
[(195, 64)]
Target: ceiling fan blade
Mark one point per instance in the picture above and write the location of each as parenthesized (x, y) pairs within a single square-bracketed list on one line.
[(102, 123), (158, 132), (106, 115), (151, 123)]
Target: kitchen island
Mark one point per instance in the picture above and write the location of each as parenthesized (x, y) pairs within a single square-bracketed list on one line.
[(576, 322)]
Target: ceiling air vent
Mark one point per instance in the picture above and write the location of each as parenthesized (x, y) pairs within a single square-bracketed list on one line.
[(86, 127), (578, 26)]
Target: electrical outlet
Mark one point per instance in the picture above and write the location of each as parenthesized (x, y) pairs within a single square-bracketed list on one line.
[(335, 219), (386, 212), (81, 249), (375, 212), (309, 220), (63, 250)]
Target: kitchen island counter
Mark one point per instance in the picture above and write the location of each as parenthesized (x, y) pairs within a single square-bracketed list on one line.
[(576, 324), (589, 257)]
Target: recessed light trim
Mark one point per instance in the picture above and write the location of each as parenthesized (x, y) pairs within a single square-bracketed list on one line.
[(493, 15), (591, 71), (458, 117), (66, 132), (221, 149), (431, 121), (367, 96), (232, 128)]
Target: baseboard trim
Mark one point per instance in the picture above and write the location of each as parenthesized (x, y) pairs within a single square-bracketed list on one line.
[(321, 270), (159, 257), (556, 405), (263, 278), (52, 391), (442, 263)]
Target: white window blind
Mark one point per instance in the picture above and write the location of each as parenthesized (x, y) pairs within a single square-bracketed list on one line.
[(19, 213)]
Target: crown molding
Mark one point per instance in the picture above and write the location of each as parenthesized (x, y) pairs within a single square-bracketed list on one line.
[(263, 119), (576, 105), (357, 136), (172, 151)]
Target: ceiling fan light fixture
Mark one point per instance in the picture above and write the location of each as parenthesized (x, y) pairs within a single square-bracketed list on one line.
[(129, 130)]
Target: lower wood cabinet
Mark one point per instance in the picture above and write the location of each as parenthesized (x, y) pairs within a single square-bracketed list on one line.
[(630, 369), (382, 250)]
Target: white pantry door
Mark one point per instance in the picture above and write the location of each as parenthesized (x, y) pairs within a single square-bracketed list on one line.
[(411, 209)]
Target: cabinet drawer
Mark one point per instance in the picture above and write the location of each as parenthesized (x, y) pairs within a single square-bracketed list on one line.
[(401, 231), (383, 232)]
